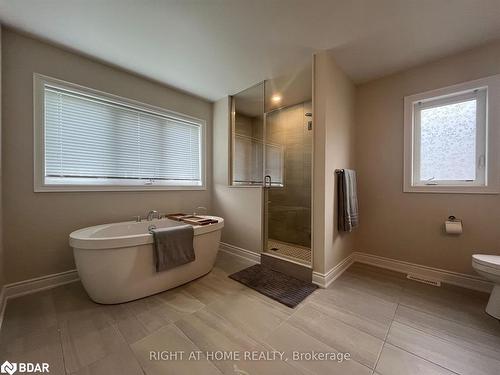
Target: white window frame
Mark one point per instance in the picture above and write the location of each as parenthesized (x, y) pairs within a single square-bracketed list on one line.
[(40, 185), (487, 93)]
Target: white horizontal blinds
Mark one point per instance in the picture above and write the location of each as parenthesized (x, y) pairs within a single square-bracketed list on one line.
[(95, 139), (86, 138), (169, 149)]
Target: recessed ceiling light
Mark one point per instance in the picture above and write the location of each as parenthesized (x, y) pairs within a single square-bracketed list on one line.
[(276, 98)]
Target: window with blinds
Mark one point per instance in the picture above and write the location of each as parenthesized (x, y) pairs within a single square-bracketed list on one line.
[(91, 140)]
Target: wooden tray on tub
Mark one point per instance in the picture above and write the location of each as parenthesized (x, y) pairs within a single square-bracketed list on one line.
[(191, 219), (177, 216)]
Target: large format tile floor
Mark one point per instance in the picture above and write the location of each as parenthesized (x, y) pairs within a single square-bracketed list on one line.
[(388, 324)]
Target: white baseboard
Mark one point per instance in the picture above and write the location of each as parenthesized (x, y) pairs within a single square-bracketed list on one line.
[(444, 276), (325, 279), (450, 277), (240, 252), (36, 284)]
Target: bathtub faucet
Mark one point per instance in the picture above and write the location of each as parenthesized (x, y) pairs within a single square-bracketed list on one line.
[(152, 214)]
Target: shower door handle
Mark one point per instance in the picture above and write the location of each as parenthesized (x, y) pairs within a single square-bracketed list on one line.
[(267, 181)]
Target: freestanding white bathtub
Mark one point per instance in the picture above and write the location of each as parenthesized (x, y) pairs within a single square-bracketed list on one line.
[(115, 261)]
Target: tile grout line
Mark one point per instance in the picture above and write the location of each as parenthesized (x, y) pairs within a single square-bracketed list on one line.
[(317, 307), (361, 330), (343, 322), (424, 359), (387, 333), (199, 349), (129, 345), (287, 318), (403, 349), (135, 356), (301, 306), (113, 323), (443, 339), (458, 343), (321, 341), (63, 352), (260, 341), (443, 318), (414, 354), (59, 334)]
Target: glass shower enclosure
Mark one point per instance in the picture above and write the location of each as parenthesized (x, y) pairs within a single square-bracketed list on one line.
[(272, 147), (287, 194)]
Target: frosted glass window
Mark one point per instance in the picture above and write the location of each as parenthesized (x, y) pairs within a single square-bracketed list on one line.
[(448, 142)]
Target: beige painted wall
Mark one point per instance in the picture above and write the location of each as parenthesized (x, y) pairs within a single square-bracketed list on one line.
[(333, 119), (408, 226), (241, 207), (37, 228)]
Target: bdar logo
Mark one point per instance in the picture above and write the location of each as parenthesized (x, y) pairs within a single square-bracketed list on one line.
[(8, 368)]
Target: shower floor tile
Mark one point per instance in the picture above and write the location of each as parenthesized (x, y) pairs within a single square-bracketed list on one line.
[(289, 250)]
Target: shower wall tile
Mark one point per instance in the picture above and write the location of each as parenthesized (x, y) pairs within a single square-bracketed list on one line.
[(289, 211)]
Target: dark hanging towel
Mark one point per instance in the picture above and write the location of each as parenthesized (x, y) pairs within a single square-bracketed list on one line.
[(347, 200)]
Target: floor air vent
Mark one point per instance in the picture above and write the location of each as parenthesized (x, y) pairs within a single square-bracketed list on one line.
[(420, 279)]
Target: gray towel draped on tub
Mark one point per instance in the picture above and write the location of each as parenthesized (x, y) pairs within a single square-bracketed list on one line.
[(347, 200), (173, 246)]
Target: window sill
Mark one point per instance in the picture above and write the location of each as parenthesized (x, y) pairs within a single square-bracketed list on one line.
[(94, 188), (245, 186), (441, 189)]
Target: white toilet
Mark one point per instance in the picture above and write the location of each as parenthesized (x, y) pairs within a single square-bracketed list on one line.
[(488, 266)]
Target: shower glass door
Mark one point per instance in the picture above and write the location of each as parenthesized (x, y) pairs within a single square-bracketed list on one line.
[(287, 174)]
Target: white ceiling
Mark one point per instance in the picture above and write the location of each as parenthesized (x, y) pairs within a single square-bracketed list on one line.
[(212, 48)]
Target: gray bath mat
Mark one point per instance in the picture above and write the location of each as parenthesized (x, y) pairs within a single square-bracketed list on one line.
[(276, 285)]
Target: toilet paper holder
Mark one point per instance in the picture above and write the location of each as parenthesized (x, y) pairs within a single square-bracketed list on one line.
[(453, 225)]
